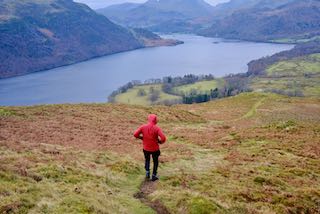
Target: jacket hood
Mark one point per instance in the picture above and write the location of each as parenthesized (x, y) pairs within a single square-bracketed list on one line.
[(152, 118)]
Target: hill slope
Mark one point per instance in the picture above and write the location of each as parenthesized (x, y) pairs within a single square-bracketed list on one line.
[(265, 21), (39, 35), (228, 8), (253, 153), (161, 15)]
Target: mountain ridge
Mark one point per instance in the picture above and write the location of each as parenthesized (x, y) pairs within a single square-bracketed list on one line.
[(266, 22), (254, 20), (153, 13)]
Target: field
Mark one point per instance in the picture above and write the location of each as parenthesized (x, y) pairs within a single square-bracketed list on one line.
[(297, 77), (132, 95), (201, 87), (252, 153)]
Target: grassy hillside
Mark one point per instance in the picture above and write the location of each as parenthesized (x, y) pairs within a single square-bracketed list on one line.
[(252, 153), (308, 65), (299, 76)]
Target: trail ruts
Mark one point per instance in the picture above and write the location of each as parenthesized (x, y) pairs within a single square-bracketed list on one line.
[(147, 188)]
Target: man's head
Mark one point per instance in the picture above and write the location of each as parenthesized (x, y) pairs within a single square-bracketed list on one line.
[(152, 118)]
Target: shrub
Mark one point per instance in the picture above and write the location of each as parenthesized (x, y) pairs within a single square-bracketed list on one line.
[(141, 92)]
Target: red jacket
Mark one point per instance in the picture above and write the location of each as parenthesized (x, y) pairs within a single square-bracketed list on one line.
[(150, 133)]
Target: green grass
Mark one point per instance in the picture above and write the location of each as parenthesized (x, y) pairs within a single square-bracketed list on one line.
[(290, 85), (299, 66), (132, 97), (5, 112), (253, 110), (241, 181), (69, 187), (297, 77), (198, 87)]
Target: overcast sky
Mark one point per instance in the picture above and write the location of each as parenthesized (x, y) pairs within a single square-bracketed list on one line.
[(103, 3)]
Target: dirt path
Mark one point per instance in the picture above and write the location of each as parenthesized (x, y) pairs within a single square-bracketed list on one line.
[(201, 161), (147, 188), (254, 109)]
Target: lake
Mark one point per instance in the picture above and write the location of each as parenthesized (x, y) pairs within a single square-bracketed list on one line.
[(93, 80)]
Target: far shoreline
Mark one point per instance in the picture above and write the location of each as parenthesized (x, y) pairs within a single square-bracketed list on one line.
[(208, 66), (178, 42), (95, 57)]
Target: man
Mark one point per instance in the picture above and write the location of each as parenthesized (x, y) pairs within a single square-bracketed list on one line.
[(150, 134)]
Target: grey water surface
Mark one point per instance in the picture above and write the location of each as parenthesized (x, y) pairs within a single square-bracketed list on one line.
[(94, 80)]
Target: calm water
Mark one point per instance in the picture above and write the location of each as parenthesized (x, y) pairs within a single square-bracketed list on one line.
[(94, 80)]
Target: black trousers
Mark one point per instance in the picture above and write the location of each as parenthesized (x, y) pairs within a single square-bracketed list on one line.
[(155, 157)]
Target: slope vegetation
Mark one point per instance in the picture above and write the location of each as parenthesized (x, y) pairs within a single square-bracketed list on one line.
[(253, 153)]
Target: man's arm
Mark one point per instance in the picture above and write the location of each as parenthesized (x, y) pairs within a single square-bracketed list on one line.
[(162, 136), (138, 132)]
